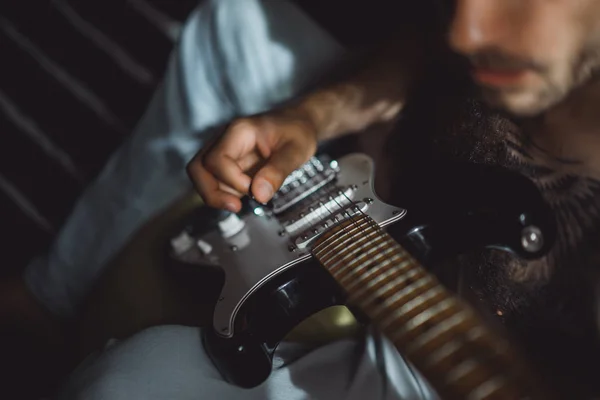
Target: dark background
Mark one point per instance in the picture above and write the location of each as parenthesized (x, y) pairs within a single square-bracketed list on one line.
[(75, 77), (67, 99)]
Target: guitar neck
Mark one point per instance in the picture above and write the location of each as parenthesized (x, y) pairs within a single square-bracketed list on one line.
[(439, 333)]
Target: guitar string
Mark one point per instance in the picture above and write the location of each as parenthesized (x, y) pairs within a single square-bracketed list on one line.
[(373, 223), (330, 196), (370, 221), (354, 222)]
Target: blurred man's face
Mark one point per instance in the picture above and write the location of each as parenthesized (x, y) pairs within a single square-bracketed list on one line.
[(527, 55)]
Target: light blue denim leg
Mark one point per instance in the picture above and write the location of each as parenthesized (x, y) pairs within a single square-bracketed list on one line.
[(235, 57), (169, 362)]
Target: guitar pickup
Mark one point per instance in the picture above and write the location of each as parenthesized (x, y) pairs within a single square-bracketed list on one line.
[(318, 211), (306, 238), (303, 182)]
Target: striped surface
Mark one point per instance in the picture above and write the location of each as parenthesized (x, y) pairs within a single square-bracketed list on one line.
[(439, 333), (76, 76)]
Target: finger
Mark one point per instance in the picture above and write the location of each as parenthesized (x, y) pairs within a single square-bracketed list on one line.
[(227, 171), (209, 188), (281, 164), (228, 189), (251, 163), (232, 155)]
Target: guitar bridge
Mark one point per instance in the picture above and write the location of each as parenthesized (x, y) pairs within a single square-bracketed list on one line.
[(306, 238), (303, 182)]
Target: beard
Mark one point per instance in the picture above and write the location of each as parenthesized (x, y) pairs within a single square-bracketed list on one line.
[(554, 87), (549, 306)]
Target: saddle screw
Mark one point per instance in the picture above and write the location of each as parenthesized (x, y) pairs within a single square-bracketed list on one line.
[(234, 248), (524, 219), (532, 239), (240, 349), (291, 247), (368, 200), (281, 233)]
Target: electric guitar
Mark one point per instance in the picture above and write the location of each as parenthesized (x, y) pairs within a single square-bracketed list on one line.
[(320, 242)]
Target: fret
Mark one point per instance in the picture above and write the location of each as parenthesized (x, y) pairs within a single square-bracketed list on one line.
[(461, 370), (364, 283), (365, 272), (356, 222), (369, 293), (440, 334), (440, 313), (437, 331), (334, 251), (451, 348), (409, 306), (340, 258), (488, 388), (414, 291)]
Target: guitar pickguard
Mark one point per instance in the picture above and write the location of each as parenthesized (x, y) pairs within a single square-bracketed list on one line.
[(269, 240)]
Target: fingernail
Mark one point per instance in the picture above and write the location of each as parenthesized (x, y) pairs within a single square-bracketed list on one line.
[(230, 207), (263, 190)]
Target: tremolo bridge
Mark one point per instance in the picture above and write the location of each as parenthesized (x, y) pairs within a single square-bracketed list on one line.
[(303, 182), (324, 202)]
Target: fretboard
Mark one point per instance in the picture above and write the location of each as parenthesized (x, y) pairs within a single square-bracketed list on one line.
[(439, 333)]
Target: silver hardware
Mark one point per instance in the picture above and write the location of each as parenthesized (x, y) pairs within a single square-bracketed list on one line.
[(308, 237), (182, 243), (204, 247), (268, 254), (303, 182), (318, 211), (231, 225), (532, 239), (523, 218)]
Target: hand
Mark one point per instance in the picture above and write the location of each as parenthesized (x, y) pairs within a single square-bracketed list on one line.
[(253, 156)]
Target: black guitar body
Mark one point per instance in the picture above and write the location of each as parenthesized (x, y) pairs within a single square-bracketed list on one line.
[(465, 209), (282, 304)]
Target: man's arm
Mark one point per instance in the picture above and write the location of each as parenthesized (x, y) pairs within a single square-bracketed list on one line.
[(256, 154), (375, 94)]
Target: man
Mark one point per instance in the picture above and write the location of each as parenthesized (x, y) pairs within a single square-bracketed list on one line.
[(534, 61), (530, 58)]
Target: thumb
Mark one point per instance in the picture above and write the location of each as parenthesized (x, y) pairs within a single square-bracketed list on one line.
[(271, 176)]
